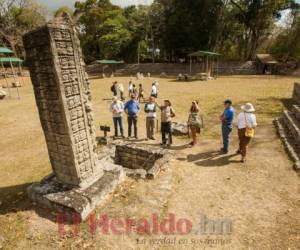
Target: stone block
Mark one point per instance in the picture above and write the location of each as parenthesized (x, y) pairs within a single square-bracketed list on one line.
[(60, 198)]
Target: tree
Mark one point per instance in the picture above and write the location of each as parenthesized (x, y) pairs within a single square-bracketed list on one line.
[(257, 16), (62, 10), (138, 26), (16, 18), (190, 25), (286, 45), (99, 32), (115, 35)]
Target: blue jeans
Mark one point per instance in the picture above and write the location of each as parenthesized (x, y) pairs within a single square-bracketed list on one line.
[(132, 120), (118, 121), (226, 130)]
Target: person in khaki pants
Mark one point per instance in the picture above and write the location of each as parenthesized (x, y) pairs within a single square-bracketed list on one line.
[(246, 120), (150, 109)]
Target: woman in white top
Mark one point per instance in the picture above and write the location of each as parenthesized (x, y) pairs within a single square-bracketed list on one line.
[(246, 125)]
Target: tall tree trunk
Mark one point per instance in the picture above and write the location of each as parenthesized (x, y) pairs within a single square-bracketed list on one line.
[(253, 45)]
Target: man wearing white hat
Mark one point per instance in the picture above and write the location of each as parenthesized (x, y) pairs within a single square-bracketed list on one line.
[(246, 125)]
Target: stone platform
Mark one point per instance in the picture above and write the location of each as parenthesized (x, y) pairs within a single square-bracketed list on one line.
[(66, 200), (288, 127)]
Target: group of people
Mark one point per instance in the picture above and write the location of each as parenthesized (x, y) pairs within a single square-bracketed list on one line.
[(133, 90), (132, 110), (246, 123), (246, 120)]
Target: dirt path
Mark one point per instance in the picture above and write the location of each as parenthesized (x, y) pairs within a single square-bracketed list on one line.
[(260, 199)]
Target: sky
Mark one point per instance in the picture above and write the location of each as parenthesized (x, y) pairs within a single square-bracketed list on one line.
[(55, 4)]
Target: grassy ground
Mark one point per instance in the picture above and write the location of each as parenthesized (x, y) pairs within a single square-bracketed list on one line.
[(261, 199)]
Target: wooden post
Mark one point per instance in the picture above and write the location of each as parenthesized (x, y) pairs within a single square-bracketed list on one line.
[(21, 73), (217, 67), (190, 65), (207, 74), (138, 53), (14, 74), (212, 66)]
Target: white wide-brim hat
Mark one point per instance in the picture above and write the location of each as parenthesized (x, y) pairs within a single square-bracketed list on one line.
[(248, 107)]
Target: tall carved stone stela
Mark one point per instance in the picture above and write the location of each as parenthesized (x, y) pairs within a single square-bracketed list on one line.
[(63, 98), (80, 182)]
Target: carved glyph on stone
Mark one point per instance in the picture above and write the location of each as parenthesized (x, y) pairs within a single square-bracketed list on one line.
[(80, 182), (63, 98)]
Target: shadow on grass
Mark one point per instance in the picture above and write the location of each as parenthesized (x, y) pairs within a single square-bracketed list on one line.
[(218, 162), (14, 199)]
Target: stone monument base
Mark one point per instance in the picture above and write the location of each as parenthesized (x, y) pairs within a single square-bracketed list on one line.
[(69, 200)]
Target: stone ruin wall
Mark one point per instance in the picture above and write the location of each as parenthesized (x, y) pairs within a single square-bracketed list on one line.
[(135, 157), (63, 97), (141, 161)]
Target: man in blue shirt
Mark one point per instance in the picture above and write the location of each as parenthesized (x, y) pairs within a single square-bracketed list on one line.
[(227, 124), (132, 109)]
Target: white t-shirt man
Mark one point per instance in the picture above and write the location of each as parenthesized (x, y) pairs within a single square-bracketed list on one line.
[(151, 108), (121, 87), (246, 120), (154, 90), (117, 108)]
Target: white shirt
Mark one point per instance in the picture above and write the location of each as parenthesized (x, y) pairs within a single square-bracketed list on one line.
[(154, 90), (117, 108), (246, 120), (151, 106), (121, 87), (130, 87)]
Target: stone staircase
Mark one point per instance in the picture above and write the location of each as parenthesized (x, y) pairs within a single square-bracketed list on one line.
[(288, 127)]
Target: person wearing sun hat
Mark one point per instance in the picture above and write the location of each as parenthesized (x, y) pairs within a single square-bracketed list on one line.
[(246, 125)]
